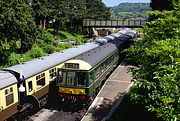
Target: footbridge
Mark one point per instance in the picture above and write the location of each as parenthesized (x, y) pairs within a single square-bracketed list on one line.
[(101, 27), (114, 23)]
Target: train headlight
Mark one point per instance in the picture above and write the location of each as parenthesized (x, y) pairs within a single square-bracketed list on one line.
[(71, 91), (81, 92), (61, 90)]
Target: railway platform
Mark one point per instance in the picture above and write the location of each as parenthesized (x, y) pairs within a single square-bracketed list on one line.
[(111, 94)]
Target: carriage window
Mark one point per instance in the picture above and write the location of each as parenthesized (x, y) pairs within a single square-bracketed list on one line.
[(81, 77), (60, 77), (9, 99), (40, 80), (52, 73), (71, 78), (40, 83), (6, 91), (9, 96), (11, 89), (97, 71), (91, 78), (30, 86)]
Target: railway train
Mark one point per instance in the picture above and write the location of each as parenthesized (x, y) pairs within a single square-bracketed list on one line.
[(80, 78), (77, 71)]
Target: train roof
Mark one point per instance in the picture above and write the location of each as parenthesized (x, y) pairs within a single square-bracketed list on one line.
[(35, 66), (38, 65), (109, 37), (6, 79), (116, 34), (96, 55)]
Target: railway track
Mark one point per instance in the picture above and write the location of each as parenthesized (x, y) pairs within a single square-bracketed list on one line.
[(61, 112), (68, 111), (58, 114)]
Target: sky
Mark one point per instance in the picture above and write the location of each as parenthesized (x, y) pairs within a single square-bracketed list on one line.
[(110, 3)]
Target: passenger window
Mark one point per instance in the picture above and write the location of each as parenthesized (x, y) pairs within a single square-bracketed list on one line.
[(81, 76), (11, 89), (9, 96), (40, 83), (92, 75), (6, 91), (64, 77), (52, 73), (71, 78), (60, 77), (41, 80), (30, 87), (9, 99), (98, 71)]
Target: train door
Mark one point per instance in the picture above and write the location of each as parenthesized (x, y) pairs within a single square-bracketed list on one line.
[(71, 78)]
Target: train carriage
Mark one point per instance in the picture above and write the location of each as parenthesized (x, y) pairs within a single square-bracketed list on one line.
[(80, 77), (8, 95)]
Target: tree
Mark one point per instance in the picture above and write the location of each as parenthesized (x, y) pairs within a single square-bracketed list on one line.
[(73, 11), (17, 27), (96, 9), (43, 10), (163, 4), (158, 56)]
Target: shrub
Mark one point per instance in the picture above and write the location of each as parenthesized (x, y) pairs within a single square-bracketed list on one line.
[(26, 56), (14, 59), (36, 52), (64, 46), (49, 49), (44, 37)]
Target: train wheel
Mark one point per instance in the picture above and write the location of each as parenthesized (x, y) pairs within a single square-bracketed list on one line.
[(35, 104)]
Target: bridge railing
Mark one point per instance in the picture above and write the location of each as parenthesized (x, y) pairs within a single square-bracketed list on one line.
[(114, 23)]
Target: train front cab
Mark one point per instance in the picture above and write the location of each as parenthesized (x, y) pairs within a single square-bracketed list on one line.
[(78, 79), (73, 79)]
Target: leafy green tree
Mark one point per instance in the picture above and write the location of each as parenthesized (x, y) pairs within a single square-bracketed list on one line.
[(96, 9), (43, 10), (158, 56), (17, 27), (163, 4), (74, 11)]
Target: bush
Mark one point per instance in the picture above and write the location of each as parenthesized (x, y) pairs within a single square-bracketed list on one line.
[(26, 56), (36, 52), (64, 46), (49, 49), (44, 37), (14, 59)]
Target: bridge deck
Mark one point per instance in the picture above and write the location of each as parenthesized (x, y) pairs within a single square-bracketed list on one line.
[(114, 23)]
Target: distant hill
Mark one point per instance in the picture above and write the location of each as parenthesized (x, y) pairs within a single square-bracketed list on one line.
[(130, 11)]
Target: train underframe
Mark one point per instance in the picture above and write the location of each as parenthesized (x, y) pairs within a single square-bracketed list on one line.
[(28, 108)]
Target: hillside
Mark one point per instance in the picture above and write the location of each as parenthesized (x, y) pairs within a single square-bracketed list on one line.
[(130, 11)]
